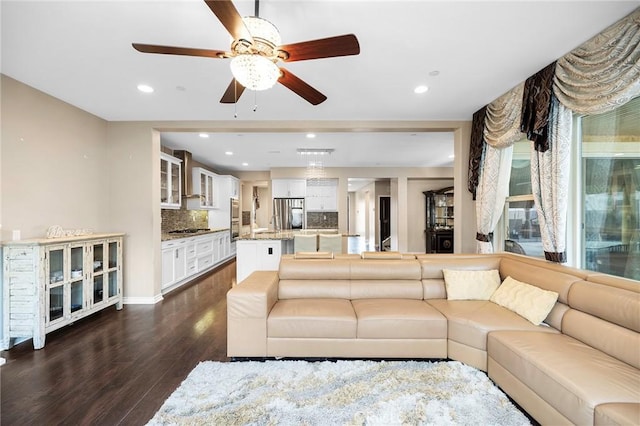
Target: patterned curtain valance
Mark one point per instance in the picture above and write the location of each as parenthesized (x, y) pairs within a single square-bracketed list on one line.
[(476, 148), (502, 124), (536, 104), (604, 72)]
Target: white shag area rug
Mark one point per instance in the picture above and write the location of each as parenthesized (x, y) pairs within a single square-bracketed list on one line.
[(337, 393)]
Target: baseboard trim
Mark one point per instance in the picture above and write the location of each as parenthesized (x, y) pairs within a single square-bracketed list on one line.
[(142, 300)]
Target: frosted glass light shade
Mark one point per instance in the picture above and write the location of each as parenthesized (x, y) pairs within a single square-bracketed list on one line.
[(262, 29), (254, 72)]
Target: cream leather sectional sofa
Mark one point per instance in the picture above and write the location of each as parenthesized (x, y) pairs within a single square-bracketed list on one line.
[(580, 366)]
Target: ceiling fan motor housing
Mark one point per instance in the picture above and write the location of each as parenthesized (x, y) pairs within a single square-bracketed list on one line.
[(266, 39)]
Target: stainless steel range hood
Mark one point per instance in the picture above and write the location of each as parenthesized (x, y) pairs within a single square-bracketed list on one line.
[(187, 173)]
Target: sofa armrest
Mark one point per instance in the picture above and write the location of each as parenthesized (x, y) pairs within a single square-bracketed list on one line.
[(248, 306)]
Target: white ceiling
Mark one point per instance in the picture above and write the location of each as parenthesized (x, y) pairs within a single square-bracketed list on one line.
[(80, 52)]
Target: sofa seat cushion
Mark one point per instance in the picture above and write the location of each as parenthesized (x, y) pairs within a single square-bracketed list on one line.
[(570, 376), (471, 320), (398, 319), (617, 414), (321, 318)]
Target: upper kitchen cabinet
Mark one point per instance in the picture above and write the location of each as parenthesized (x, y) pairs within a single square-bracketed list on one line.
[(170, 182), (204, 185), (288, 188), (322, 195), (228, 188)]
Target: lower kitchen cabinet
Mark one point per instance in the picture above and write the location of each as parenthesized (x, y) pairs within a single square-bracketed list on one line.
[(257, 255), (50, 283), (186, 258)]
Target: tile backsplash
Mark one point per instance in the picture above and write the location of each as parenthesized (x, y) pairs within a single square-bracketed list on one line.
[(184, 219), (322, 220)]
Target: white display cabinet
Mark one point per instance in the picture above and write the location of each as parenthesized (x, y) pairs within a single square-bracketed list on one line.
[(50, 283)]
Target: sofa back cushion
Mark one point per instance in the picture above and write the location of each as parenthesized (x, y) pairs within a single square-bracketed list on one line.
[(385, 269), (607, 318), (539, 276), (314, 269), (432, 265), (386, 289), (312, 289), (385, 279)]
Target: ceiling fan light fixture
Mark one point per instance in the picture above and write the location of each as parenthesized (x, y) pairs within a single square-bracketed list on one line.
[(263, 31), (255, 72)]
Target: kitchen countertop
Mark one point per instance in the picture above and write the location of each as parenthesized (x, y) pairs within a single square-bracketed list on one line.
[(168, 236), (283, 235)]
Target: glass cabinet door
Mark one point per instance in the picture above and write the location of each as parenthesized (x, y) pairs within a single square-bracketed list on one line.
[(99, 252), (175, 184), (77, 276), (56, 265), (56, 282), (112, 279), (164, 181), (210, 191), (113, 255), (98, 289), (112, 269), (56, 303)]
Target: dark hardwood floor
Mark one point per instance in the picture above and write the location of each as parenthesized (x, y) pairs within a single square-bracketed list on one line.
[(117, 367)]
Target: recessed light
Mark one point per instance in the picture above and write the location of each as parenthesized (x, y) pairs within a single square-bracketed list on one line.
[(434, 73), (245, 164), (311, 135), (228, 153), (452, 156), (204, 135), (420, 89), (145, 88)]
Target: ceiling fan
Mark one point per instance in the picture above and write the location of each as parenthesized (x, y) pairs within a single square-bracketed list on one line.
[(256, 49)]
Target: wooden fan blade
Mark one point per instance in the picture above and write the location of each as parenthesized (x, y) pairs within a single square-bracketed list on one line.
[(172, 50), (301, 88), (230, 18), (330, 47), (233, 93)]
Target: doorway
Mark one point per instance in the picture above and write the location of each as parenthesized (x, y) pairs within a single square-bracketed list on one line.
[(385, 223)]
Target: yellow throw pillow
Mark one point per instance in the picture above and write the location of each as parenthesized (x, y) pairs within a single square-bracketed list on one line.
[(470, 285), (526, 300)]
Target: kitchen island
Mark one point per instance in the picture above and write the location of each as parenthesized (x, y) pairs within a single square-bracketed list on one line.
[(261, 250)]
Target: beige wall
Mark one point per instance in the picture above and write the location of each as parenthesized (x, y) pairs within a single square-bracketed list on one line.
[(134, 158), (54, 165)]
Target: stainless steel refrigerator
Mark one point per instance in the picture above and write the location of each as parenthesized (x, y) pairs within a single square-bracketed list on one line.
[(288, 213)]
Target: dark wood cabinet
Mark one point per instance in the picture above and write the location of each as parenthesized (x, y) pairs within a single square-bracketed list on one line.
[(439, 220)]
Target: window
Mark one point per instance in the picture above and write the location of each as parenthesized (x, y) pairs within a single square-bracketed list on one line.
[(610, 146), (605, 224), (522, 233)]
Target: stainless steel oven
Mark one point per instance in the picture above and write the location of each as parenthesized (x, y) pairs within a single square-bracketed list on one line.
[(235, 220)]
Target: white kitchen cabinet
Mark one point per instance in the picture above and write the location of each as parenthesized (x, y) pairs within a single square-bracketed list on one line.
[(170, 182), (257, 255), (184, 259), (50, 283), (204, 185), (228, 188), (288, 188), (322, 195)]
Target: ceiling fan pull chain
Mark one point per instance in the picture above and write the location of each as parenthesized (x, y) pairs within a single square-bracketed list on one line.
[(235, 96), (255, 101)]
